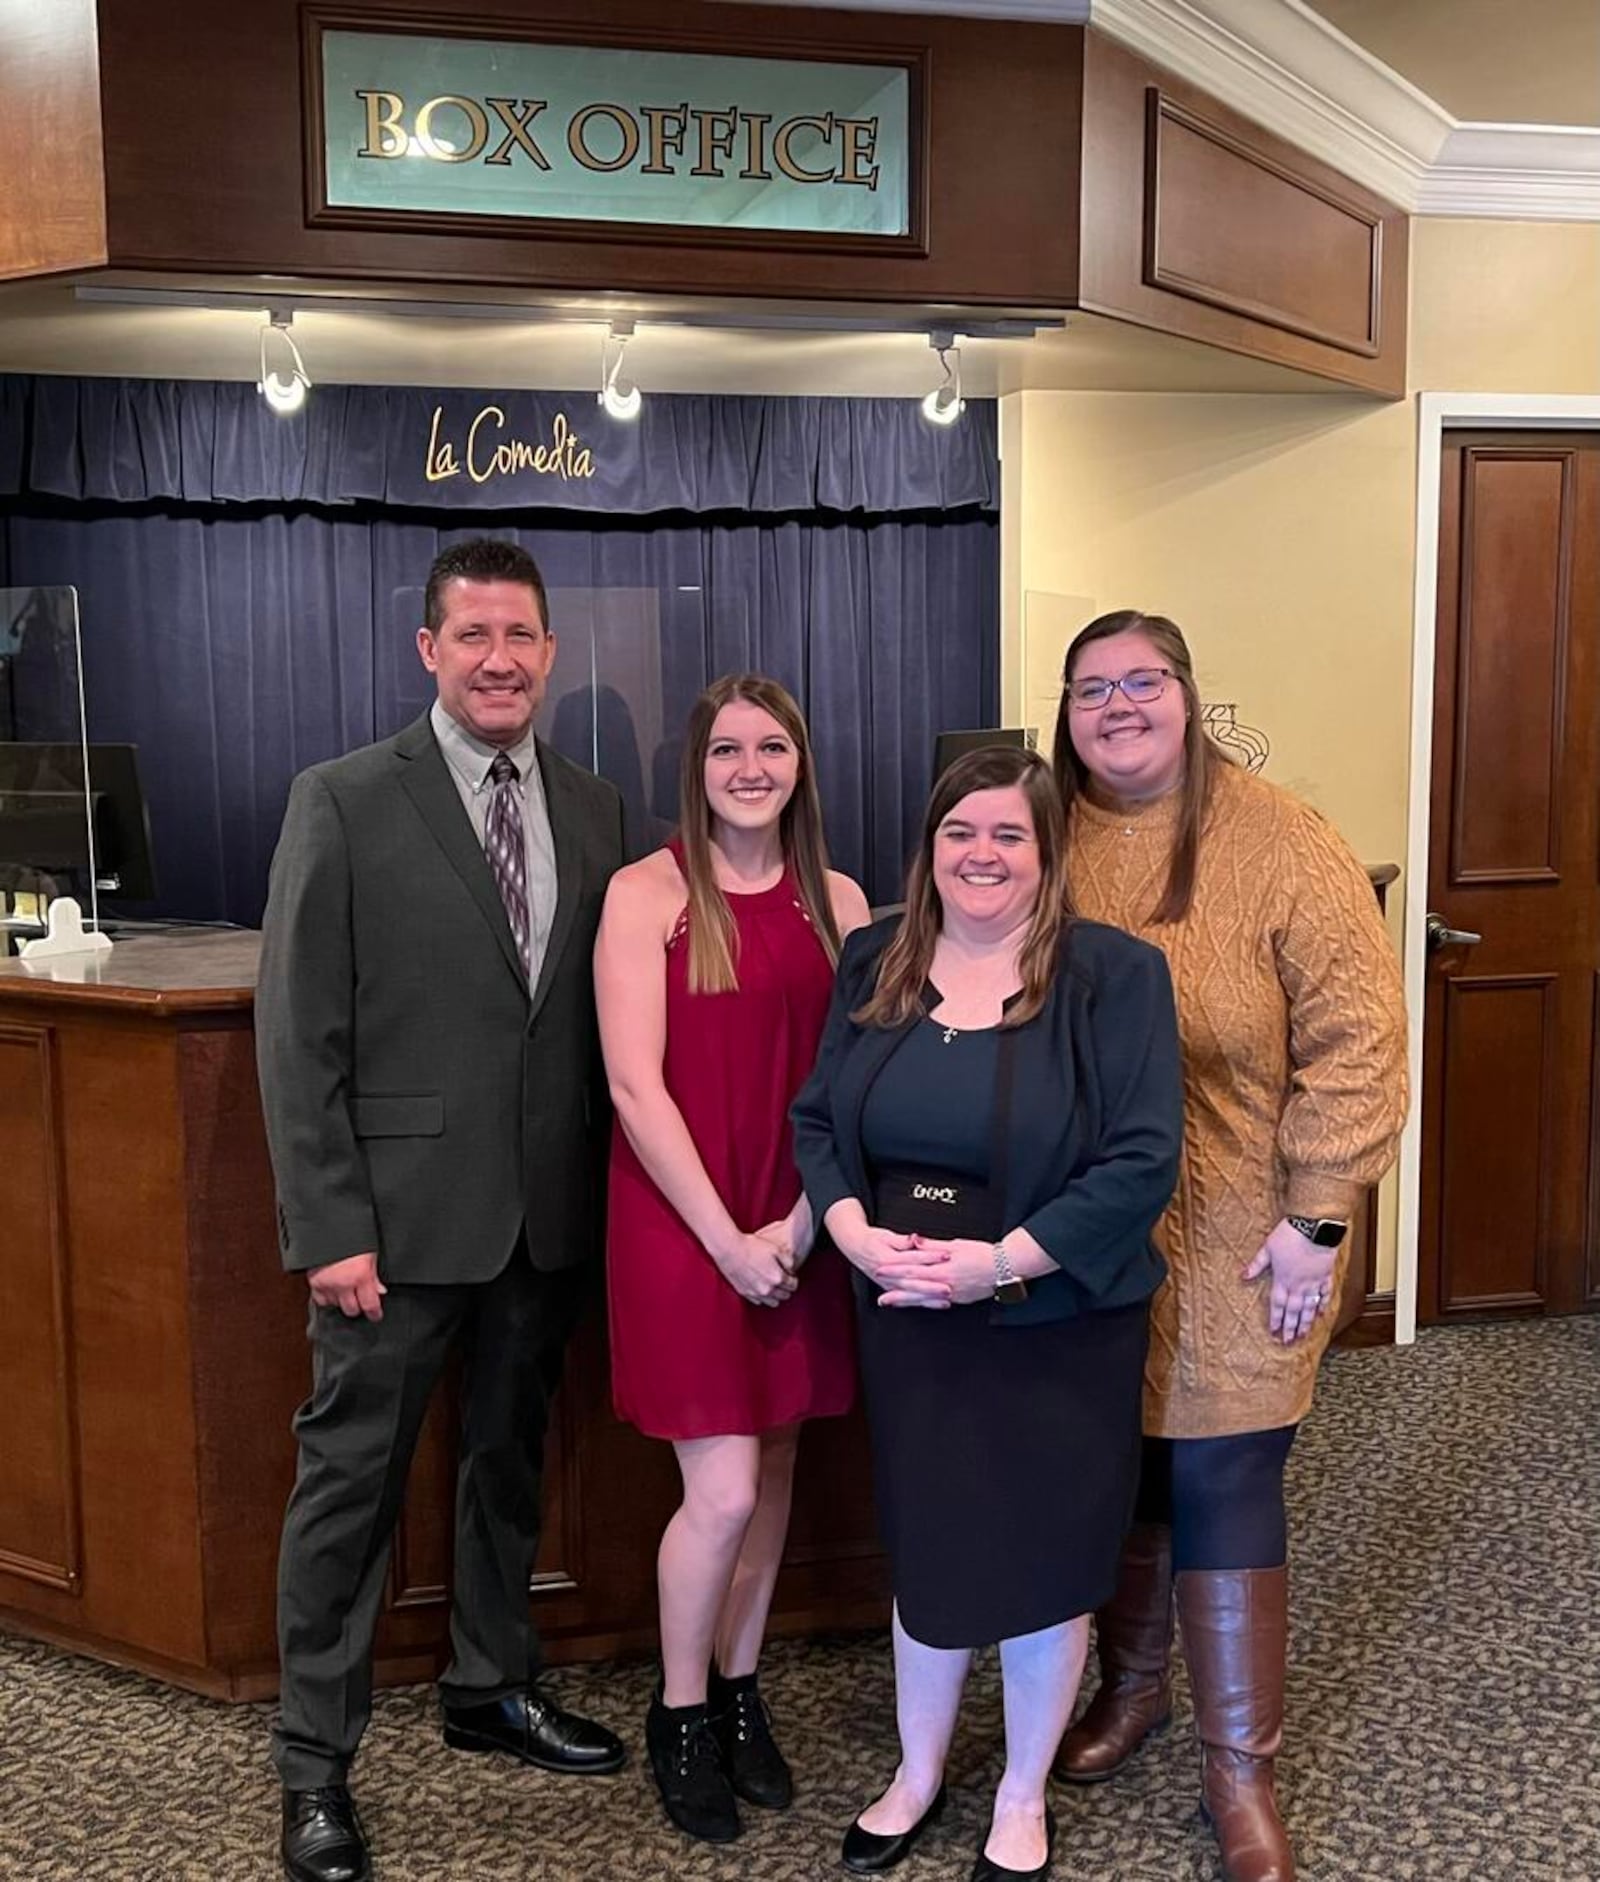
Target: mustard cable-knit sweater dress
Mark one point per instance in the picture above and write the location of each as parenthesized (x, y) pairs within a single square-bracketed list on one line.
[(1292, 1018)]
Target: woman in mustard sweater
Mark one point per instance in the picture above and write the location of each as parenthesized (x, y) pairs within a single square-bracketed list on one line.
[(1293, 1027)]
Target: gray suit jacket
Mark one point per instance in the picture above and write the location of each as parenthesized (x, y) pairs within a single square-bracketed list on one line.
[(420, 1101)]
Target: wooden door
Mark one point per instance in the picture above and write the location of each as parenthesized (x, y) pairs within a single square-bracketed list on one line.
[(1509, 1058)]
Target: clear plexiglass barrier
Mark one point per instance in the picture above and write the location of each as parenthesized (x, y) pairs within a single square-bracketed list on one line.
[(50, 845)]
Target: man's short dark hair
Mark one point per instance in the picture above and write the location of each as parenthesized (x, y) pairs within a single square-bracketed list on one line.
[(480, 559)]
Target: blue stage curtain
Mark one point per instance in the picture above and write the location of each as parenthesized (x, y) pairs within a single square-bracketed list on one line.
[(235, 645)]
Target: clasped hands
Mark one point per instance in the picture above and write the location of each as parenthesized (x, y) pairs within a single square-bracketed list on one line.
[(918, 1270), (764, 1266)]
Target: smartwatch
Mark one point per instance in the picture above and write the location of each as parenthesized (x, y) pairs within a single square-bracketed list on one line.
[(1321, 1229), (1009, 1287)]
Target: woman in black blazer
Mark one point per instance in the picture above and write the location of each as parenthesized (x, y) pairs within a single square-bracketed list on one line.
[(989, 1136)]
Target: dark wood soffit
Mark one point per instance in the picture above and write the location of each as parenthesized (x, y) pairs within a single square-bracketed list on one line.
[(1196, 221), (52, 196), (227, 194)]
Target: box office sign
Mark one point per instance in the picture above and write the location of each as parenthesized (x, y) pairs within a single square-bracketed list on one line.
[(513, 128)]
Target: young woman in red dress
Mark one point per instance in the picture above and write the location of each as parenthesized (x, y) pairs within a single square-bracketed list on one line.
[(713, 973)]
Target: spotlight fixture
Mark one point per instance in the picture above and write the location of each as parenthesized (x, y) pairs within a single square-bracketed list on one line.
[(284, 393), (944, 405), (620, 397)]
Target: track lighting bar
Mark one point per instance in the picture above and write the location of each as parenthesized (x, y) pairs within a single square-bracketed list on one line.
[(973, 326)]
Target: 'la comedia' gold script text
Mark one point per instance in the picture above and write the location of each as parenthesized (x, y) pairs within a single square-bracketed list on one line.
[(565, 456)]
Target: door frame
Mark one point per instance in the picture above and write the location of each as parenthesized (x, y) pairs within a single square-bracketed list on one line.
[(1438, 412)]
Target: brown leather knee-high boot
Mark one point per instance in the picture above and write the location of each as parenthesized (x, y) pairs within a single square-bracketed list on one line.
[(1133, 1638), (1235, 1626)]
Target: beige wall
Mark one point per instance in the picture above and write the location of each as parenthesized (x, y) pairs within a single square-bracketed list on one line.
[(1505, 306), (1280, 530)]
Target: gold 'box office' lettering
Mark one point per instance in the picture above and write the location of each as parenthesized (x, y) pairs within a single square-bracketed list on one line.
[(520, 128), (721, 141)]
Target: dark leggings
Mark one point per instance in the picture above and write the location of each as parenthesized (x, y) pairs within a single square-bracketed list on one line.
[(1222, 1496)]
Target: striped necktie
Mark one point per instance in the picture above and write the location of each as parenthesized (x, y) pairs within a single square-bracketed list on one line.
[(507, 851)]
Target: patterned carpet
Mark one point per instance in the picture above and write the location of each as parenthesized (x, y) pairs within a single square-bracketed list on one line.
[(1444, 1695)]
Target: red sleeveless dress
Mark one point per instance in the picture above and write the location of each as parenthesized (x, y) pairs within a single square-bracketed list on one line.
[(690, 1358)]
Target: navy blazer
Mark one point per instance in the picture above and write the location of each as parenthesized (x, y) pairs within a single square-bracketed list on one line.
[(1096, 1115)]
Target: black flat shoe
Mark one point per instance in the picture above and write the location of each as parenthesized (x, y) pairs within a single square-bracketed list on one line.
[(756, 1768), (687, 1763), (867, 1853), (322, 1837), (538, 1731), (986, 1869)]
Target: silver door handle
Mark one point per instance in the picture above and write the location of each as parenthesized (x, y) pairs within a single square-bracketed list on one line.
[(1441, 935)]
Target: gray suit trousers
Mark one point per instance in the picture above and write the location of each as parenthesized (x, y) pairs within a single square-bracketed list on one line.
[(371, 1383)]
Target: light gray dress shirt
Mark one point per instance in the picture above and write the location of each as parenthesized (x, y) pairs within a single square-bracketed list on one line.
[(469, 759)]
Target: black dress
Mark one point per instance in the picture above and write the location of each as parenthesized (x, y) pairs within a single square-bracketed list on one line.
[(1005, 1457)]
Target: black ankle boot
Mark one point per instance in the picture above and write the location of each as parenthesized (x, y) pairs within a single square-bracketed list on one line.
[(688, 1768), (750, 1755)]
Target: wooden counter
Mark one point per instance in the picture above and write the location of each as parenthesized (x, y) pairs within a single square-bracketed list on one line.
[(152, 1352)]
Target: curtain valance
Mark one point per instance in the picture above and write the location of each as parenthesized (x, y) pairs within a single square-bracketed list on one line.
[(141, 440)]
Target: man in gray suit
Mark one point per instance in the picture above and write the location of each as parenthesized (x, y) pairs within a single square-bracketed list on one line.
[(436, 1111)]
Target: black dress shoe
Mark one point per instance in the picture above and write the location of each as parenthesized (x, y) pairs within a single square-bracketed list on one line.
[(868, 1853), (756, 1768), (687, 1763), (322, 1837), (536, 1730), (986, 1869)]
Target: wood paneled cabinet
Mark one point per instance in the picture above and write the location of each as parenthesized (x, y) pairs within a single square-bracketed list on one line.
[(1198, 222), (152, 1353)]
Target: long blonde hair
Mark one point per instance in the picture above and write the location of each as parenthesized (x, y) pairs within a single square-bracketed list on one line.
[(713, 937), (1201, 752), (903, 971)]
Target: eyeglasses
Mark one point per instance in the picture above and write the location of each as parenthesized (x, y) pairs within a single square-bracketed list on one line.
[(1140, 687)]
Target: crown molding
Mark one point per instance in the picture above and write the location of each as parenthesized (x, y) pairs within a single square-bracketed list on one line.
[(1522, 172), (1283, 65)]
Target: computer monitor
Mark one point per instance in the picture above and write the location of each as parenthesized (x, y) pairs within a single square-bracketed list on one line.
[(949, 746), (43, 830)]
